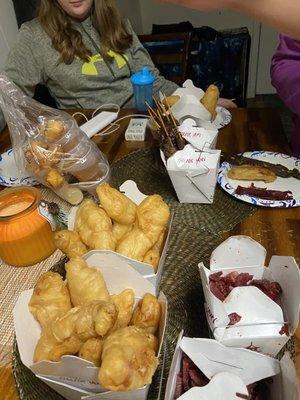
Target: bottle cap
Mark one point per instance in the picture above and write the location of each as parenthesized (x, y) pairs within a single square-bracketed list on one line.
[(142, 77)]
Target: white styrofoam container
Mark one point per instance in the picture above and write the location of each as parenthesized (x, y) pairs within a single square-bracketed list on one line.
[(130, 189), (231, 370), (262, 318), (189, 106), (193, 173), (73, 377)]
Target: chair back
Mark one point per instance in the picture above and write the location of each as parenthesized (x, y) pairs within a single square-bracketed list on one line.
[(169, 53)]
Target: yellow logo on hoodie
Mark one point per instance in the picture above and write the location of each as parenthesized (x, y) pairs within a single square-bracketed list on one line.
[(89, 68)]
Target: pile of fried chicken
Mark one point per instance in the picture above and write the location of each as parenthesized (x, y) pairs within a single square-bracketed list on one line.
[(79, 317), (118, 224)]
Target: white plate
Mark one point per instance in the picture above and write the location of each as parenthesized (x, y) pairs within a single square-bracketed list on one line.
[(283, 184), (223, 118), (9, 174)]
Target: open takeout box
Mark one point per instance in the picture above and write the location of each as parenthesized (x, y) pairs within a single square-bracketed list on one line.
[(193, 173), (230, 371), (189, 106), (262, 322), (130, 189), (73, 377)]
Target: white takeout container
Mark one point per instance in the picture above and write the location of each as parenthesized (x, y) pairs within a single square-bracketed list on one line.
[(130, 189), (262, 318), (193, 173), (189, 106), (73, 377), (230, 370)]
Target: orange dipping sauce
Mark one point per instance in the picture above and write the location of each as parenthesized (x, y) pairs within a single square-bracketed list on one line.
[(26, 236)]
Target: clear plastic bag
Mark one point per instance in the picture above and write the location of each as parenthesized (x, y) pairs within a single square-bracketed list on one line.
[(49, 145)]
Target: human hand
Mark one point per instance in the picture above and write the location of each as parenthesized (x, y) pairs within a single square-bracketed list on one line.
[(226, 103), (200, 4)]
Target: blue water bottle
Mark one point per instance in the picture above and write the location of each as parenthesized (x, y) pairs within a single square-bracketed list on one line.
[(142, 82)]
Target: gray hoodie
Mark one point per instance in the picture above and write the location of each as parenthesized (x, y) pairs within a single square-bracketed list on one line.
[(33, 60)]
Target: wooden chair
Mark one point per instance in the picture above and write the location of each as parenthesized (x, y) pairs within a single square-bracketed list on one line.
[(169, 53)]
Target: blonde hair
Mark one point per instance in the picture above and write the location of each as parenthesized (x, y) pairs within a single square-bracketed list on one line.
[(67, 40)]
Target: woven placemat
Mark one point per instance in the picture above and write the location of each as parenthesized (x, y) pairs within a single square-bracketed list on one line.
[(196, 231), (14, 280), (181, 284), (147, 170)]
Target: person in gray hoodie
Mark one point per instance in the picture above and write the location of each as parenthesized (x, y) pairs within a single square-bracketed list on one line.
[(84, 51)]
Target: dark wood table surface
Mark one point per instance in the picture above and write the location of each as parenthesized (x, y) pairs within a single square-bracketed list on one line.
[(278, 230)]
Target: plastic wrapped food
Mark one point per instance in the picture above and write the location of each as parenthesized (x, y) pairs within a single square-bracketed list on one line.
[(49, 145)]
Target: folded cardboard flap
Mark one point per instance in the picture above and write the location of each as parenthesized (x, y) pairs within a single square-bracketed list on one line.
[(189, 87), (212, 358), (286, 271), (200, 138), (118, 274), (289, 380), (188, 104), (131, 190), (253, 305), (223, 386), (238, 252), (215, 359)]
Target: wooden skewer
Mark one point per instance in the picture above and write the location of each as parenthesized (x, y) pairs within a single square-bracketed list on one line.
[(170, 111), (153, 118), (150, 108), (162, 104), (173, 119), (164, 128), (160, 108), (159, 115)]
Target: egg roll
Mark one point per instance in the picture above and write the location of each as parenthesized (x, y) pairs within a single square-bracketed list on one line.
[(69, 242), (91, 350), (153, 215), (50, 298), (128, 359), (134, 244), (210, 100), (124, 302), (85, 284), (147, 313), (118, 206), (94, 226)]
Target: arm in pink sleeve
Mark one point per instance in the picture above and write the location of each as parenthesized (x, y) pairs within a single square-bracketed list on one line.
[(285, 72)]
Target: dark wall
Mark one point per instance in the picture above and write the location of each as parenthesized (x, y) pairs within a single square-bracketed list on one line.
[(25, 10)]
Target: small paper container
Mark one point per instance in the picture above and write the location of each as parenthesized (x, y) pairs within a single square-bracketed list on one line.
[(73, 377), (130, 189), (195, 186), (262, 319), (231, 370)]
